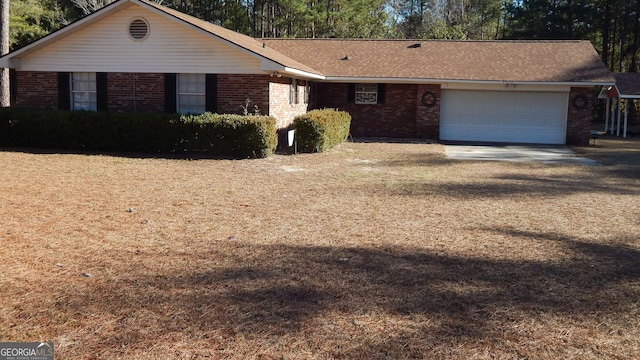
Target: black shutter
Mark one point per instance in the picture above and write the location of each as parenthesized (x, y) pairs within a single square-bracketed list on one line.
[(351, 93), (101, 92), (170, 103), (13, 86), (211, 100), (381, 94), (64, 91)]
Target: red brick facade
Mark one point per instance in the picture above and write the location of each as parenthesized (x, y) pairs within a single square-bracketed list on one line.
[(406, 110), (283, 107), (234, 90), (428, 111), (131, 92), (37, 89), (395, 117), (579, 116)]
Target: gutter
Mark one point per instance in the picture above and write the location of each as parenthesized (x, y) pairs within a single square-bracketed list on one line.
[(390, 80)]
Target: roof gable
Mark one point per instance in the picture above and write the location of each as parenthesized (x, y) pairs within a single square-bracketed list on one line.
[(176, 43), (627, 85)]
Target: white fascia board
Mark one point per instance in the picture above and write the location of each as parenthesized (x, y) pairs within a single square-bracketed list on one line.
[(305, 74), (61, 33), (444, 81), (348, 79), (270, 67)]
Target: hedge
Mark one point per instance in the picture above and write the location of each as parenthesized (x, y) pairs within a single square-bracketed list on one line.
[(214, 134), (320, 130)]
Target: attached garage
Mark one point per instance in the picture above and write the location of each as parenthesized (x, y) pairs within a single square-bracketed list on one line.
[(480, 91), (538, 117)]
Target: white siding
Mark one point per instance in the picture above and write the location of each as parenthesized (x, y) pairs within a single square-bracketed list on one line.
[(171, 47)]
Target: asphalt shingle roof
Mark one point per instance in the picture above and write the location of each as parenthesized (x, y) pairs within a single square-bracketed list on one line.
[(524, 61), (403, 60), (628, 83)]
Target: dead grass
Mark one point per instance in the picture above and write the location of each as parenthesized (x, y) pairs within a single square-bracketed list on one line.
[(377, 250)]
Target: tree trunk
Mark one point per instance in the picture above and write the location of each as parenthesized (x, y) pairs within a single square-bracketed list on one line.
[(5, 88), (606, 26), (634, 48)]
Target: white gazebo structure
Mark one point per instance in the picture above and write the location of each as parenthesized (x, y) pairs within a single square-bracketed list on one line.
[(619, 96)]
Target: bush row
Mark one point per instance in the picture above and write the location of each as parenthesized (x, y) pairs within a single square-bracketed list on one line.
[(319, 130), (217, 135)]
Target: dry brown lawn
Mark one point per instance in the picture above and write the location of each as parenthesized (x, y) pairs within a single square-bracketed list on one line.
[(369, 251)]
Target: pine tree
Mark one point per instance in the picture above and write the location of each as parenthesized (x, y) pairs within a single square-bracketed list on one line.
[(5, 89)]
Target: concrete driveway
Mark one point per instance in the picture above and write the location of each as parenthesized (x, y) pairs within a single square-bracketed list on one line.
[(548, 154)]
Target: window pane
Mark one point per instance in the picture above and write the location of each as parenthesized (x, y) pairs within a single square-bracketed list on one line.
[(191, 104), (191, 93), (83, 88), (84, 101)]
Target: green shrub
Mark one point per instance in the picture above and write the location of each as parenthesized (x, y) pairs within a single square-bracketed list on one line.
[(226, 135), (231, 135), (320, 130)]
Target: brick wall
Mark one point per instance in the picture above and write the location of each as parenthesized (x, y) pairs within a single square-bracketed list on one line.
[(131, 92), (281, 107), (579, 116), (395, 118), (126, 91), (234, 90), (37, 89), (428, 111)]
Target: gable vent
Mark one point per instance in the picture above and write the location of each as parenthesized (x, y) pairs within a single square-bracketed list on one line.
[(138, 29)]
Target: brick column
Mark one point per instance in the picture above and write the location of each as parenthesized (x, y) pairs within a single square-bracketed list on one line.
[(579, 115), (428, 111)]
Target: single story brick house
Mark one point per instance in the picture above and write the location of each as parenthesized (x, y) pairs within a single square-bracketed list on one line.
[(136, 55)]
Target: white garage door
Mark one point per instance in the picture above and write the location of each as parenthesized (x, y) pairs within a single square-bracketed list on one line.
[(504, 116)]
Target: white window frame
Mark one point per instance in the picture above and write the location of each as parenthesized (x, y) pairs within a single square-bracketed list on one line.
[(84, 94), (294, 97), (194, 90), (307, 91), (366, 93)]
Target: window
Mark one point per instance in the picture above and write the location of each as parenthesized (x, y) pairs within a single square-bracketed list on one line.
[(366, 93), (83, 91), (191, 93), (293, 92)]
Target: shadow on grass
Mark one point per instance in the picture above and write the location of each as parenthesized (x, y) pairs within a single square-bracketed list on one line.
[(507, 185), (287, 290), (122, 154)]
